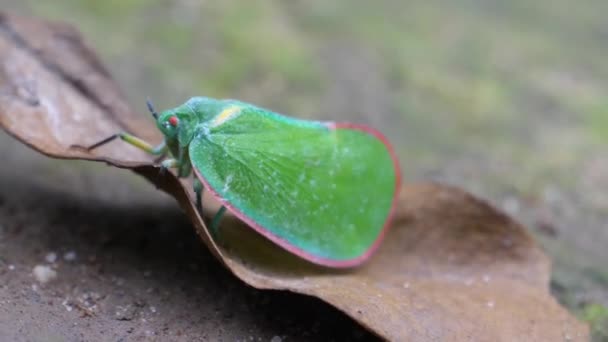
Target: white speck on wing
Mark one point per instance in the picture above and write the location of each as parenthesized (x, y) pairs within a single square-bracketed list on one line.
[(227, 184)]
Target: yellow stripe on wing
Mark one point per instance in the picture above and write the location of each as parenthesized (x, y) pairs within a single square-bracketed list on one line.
[(225, 115)]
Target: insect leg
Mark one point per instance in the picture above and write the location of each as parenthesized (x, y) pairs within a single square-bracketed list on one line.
[(168, 163), (131, 140), (160, 158), (164, 166), (215, 222), (198, 190), (184, 167)]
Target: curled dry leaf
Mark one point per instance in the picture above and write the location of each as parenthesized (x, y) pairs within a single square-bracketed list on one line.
[(452, 267)]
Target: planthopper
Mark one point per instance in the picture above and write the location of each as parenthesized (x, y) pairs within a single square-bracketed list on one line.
[(324, 191)]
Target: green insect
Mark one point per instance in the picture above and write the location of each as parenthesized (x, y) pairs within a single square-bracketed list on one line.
[(324, 191)]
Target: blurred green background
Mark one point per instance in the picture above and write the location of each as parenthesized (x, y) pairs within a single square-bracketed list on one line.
[(507, 99)]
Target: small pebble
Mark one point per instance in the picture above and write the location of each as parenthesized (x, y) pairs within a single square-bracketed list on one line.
[(66, 304), (125, 313), (51, 257), (276, 339), (44, 273), (69, 256)]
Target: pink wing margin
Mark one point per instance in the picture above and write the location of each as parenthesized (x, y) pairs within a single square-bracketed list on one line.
[(300, 252)]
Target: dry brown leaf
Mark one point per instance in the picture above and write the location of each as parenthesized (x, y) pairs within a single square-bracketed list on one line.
[(451, 268)]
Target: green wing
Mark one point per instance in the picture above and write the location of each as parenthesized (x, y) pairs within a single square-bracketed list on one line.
[(320, 190)]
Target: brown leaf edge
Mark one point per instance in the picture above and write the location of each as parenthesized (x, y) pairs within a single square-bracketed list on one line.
[(451, 268)]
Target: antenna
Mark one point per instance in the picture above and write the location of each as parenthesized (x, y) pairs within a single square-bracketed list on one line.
[(151, 108)]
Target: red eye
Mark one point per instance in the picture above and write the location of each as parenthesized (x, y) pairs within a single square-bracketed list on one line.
[(173, 121)]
